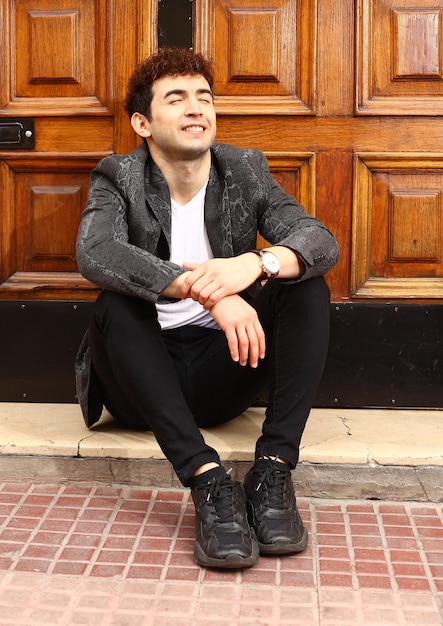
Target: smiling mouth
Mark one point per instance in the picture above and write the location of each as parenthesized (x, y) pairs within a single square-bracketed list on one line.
[(194, 129)]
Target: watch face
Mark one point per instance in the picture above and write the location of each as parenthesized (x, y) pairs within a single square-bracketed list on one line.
[(271, 263)]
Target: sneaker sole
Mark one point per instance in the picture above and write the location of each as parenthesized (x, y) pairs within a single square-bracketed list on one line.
[(233, 561), (285, 547)]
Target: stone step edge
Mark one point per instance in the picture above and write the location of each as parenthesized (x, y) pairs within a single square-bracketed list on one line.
[(325, 480)]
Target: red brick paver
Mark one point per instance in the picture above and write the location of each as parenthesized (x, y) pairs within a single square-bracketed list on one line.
[(122, 556)]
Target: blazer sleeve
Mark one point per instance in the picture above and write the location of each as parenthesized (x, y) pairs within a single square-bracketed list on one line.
[(105, 254), (285, 222)]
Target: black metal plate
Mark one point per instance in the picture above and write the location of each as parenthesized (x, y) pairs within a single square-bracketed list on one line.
[(384, 355), (39, 341), (381, 355), (17, 133), (175, 23)]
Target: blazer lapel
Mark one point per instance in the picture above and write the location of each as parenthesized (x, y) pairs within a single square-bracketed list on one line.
[(218, 216), (158, 198)]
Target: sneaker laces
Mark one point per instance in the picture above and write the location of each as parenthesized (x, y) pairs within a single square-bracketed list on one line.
[(274, 481), (221, 496)]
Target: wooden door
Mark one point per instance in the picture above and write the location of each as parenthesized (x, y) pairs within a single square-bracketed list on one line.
[(345, 97), (64, 65)]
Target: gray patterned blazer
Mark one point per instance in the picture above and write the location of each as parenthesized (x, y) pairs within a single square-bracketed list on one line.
[(125, 233)]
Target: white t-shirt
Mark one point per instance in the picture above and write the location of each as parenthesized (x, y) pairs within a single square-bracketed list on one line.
[(189, 243)]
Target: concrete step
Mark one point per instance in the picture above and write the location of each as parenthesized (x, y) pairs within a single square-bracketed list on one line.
[(352, 453)]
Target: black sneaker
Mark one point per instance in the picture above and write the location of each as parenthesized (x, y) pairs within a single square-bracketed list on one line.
[(272, 508), (223, 535)]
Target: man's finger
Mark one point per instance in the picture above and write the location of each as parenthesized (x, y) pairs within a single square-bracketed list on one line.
[(231, 337)]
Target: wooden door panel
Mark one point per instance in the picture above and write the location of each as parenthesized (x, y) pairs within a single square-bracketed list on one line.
[(397, 226), (265, 61), (51, 43), (39, 226), (52, 204), (400, 57), (57, 57)]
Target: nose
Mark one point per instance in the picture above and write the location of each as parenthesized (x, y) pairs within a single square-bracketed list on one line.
[(193, 106)]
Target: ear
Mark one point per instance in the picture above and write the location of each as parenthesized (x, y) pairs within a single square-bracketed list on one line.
[(141, 125)]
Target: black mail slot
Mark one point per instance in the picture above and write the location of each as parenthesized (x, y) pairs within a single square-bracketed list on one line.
[(10, 133), (17, 133)]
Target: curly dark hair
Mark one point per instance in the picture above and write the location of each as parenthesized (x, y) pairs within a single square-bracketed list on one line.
[(165, 62)]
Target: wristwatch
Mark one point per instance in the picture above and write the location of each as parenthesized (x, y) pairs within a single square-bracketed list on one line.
[(269, 262)]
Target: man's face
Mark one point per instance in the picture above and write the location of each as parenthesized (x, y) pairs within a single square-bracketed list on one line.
[(183, 124)]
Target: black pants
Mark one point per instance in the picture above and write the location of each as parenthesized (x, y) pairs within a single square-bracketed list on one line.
[(175, 381)]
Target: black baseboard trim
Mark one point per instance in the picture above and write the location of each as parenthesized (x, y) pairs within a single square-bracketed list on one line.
[(380, 355)]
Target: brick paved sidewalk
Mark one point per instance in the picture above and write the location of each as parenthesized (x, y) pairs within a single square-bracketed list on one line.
[(122, 556)]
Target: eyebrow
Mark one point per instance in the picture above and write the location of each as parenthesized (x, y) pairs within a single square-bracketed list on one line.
[(182, 92)]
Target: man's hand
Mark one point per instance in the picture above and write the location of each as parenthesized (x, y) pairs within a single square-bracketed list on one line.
[(244, 333), (215, 279)]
